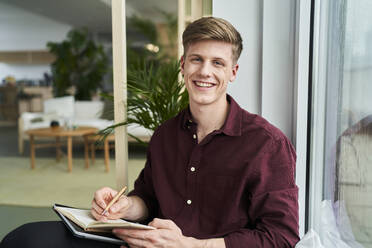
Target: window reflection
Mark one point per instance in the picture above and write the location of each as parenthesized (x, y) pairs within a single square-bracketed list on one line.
[(348, 138)]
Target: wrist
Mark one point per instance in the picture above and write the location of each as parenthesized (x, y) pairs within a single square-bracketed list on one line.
[(127, 211), (194, 243), (206, 243), (136, 209)]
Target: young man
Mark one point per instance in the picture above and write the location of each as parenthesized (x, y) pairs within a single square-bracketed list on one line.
[(216, 175)]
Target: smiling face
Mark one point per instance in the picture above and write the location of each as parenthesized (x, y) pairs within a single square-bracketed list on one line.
[(207, 68)]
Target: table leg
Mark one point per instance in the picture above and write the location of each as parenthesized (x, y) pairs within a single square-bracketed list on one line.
[(58, 149), (32, 151), (106, 148), (86, 151), (93, 152), (69, 153)]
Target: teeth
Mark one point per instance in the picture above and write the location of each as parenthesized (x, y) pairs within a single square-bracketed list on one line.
[(203, 84)]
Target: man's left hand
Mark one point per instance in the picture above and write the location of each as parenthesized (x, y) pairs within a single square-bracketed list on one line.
[(166, 234)]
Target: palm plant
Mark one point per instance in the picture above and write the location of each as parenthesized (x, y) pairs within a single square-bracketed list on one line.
[(155, 95)]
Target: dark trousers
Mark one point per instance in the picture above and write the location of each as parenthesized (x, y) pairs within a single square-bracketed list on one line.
[(48, 234)]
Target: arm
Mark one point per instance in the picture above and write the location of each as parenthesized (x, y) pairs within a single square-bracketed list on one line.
[(275, 225), (273, 205)]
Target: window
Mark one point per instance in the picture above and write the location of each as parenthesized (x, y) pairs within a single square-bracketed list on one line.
[(341, 125)]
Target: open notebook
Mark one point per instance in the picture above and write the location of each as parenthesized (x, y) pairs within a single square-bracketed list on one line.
[(86, 221)]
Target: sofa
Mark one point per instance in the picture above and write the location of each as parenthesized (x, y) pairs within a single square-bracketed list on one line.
[(69, 113)]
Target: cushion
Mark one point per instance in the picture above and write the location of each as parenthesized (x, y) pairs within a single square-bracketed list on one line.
[(97, 123), (138, 131), (61, 106), (88, 109)]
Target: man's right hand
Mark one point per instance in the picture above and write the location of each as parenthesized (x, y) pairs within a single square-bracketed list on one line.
[(119, 209)]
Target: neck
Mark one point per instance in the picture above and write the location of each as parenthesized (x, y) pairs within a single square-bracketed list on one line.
[(209, 117)]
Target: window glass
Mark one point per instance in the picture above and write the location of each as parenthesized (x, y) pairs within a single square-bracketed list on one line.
[(347, 140)]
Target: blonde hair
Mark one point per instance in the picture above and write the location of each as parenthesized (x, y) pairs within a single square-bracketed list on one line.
[(213, 28)]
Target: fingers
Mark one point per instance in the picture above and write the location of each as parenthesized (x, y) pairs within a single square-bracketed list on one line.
[(101, 198), (135, 238), (163, 224), (120, 206), (133, 243), (97, 212)]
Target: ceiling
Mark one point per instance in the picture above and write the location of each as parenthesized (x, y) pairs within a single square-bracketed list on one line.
[(93, 14)]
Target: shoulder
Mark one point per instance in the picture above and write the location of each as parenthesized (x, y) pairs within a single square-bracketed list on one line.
[(253, 124), (248, 125), (169, 127), (265, 135)]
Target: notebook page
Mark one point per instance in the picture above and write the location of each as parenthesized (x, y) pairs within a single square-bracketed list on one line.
[(84, 216)]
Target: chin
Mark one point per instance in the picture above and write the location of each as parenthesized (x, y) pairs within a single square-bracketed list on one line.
[(203, 100)]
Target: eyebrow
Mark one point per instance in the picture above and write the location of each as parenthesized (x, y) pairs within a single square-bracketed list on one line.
[(198, 55)]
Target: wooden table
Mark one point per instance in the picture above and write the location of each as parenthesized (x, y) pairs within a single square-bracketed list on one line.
[(58, 133)]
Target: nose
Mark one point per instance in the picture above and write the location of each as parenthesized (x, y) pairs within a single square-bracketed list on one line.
[(205, 69)]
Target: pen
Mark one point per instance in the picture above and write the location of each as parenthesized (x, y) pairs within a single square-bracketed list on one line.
[(114, 200)]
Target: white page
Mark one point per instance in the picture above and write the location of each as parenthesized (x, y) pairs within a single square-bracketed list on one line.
[(86, 218)]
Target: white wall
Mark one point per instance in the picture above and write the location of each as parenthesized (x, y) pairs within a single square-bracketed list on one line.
[(273, 77), (265, 80), (20, 31), (246, 88)]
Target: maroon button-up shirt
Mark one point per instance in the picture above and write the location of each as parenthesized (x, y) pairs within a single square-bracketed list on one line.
[(238, 183)]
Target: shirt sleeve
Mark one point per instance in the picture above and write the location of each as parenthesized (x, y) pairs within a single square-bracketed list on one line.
[(144, 188), (273, 206)]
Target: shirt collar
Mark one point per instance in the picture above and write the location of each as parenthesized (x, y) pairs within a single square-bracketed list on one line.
[(233, 122)]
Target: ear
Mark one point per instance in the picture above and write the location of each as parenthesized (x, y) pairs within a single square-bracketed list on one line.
[(182, 64), (234, 71)]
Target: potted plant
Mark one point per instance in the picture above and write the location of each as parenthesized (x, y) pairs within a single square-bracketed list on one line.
[(155, 94), (80, 62)]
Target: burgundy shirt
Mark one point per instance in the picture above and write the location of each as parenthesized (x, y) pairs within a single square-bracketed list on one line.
[(237, 183)]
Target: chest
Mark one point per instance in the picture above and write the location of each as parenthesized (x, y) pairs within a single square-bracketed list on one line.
[(219, 159)]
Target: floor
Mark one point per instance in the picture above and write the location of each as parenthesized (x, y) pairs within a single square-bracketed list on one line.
[(14, 216)]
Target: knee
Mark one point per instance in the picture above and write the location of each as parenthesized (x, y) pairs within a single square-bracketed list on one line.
[(18, 237), (35, 234)]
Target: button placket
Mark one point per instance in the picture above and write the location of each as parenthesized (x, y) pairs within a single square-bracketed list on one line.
[(191, 170)]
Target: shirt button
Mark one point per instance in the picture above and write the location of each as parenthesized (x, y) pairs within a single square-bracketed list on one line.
[(194, 136), (188, 202), (192, 168), (190, 121)]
